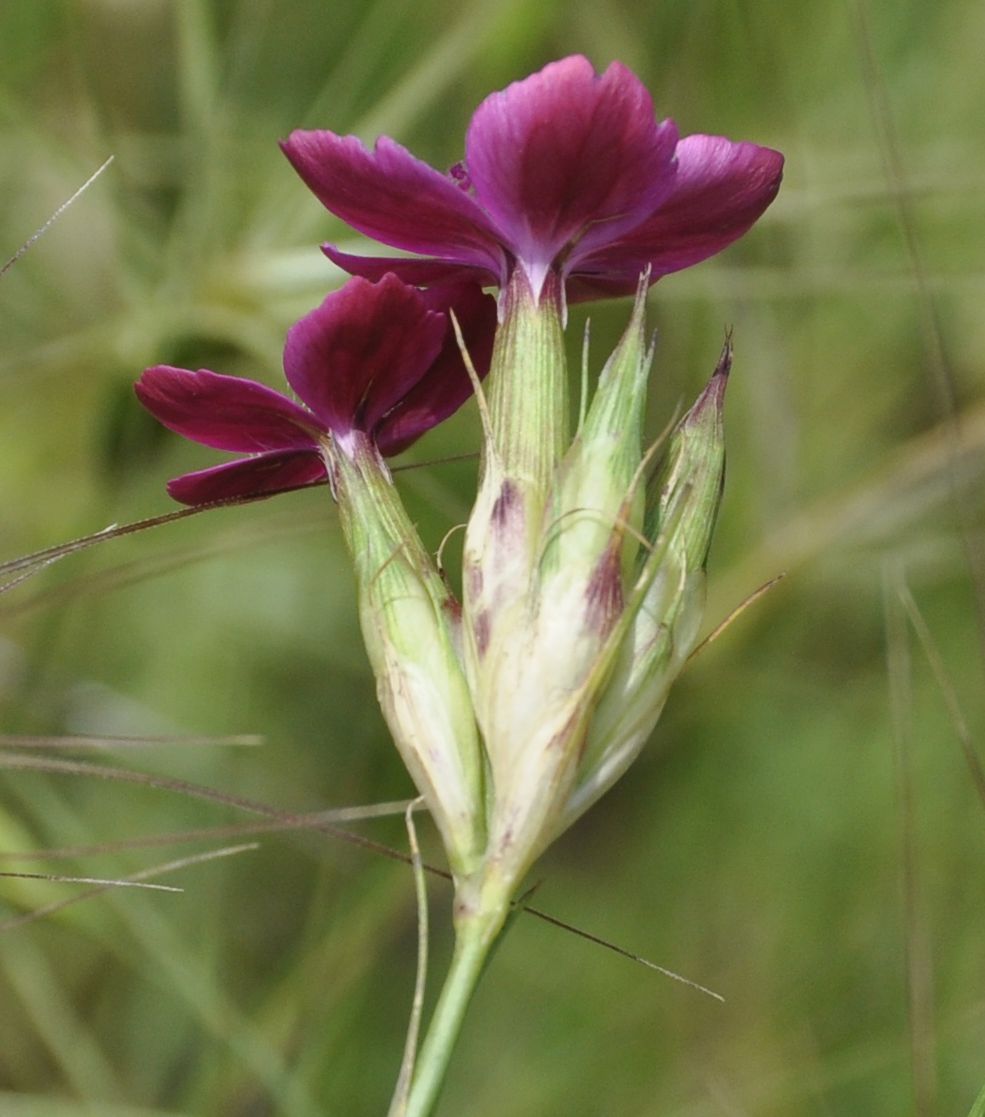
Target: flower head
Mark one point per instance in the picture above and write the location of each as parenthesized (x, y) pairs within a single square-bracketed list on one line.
[(377, 359), (565, 171)]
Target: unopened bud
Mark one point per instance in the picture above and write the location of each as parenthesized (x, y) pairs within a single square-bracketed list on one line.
[(542, 644), (683, 501), (409, 621)]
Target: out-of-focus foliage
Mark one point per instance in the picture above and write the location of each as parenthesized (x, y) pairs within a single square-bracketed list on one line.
[(802, 835)]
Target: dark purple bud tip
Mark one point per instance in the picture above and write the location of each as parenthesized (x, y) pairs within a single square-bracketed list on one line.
[(714, 393)]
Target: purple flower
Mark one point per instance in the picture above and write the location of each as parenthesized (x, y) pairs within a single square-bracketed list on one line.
[(565, 171), (376, 359)]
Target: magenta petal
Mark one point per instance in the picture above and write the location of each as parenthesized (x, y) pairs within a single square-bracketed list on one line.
[(447, 385), (566, 155), (266, 473), (721, 189), (355, 356), (394, 198), (225, 412), (417, 272)]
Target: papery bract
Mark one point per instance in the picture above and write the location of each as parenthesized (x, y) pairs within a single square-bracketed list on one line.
[(566, 171), (577, 621), (377, 358)]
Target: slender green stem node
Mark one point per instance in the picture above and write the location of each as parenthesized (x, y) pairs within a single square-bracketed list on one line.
[(475, 935)]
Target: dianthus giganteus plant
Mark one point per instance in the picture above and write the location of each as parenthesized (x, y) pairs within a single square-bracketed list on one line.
[(517, 706)]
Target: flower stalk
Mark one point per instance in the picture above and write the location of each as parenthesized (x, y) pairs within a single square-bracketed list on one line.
[(476, 932), (516, 707)]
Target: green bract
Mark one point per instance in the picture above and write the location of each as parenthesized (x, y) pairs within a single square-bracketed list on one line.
[(583, 581), (410, 625)]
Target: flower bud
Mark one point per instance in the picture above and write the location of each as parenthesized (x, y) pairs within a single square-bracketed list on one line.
[(525, 436), (541, 643), (410, 625), (583, 594), (683, 499)]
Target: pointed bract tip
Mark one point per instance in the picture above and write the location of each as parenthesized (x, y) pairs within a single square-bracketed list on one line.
[(724, 366), (634, 336), (714, 393), (638, 316)]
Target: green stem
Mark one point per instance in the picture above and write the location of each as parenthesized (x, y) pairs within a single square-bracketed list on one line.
[(474, 938)]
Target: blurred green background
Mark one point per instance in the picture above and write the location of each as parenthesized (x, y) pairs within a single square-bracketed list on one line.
[(804, 833)]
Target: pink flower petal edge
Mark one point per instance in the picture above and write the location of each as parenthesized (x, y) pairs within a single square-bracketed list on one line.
[(266, 473), (225, 412), (411, 269), (393, 197)]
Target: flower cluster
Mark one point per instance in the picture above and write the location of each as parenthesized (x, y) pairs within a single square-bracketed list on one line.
[(579, 595), (517, 706)]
